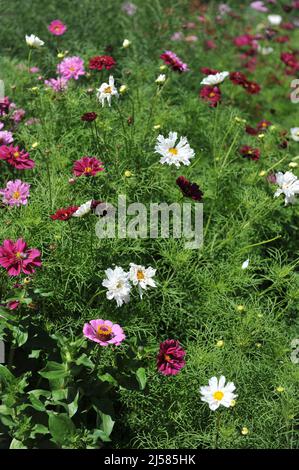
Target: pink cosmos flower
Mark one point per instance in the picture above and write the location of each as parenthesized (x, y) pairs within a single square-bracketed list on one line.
[(88, 166), (15, 257), (34, 70), (129, 8), (18, 115), (57, 84), (171, 59), (177, 36), (15, 193), (57, 28), (15, 157), (71, 67), (5, 137), (259, 6), (104, 332), (170, 359)]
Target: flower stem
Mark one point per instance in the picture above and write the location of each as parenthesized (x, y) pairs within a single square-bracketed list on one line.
[(217, 429), (49, 182)]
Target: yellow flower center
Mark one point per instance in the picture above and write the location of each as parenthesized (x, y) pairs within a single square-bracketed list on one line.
[(72, 69), (88, 169), (16, 154), (212, 94), (18, 255), (218, 395), (104, 332), (167, 358), (140, 275), (108, 89), (297, 134), (16, 195), (173, 151)]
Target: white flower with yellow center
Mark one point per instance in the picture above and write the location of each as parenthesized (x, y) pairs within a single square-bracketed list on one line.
[(275, 20), (106, 91), (118, 285), (83, 209), (217, 393), (288, 185), (172, 153), (295, 133), (141, 276), (214, 79), (34, 41)]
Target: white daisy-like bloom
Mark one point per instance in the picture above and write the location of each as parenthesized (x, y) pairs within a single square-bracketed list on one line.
[(217, 393), (265, 50), (126, 43), (215, 79), (275, 20), (141, 276), (106, 91), (161, 79), (245, 264), (295, 133), (34, 41), (288, 185), (83, 209), (118, 285), (172, 153)]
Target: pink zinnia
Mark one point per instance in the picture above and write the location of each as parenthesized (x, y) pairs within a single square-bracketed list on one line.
[(104, 332), (170, 359), (171, 59), (5, 137), (15, 157), (15, 257), (15, 193), (57, 28), (88, 166), (57, 84), (71, 67)]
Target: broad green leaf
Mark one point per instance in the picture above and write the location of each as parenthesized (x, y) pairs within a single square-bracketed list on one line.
[(5, 375), (61, 427), (107, 423), (15, 444), (54, 370)]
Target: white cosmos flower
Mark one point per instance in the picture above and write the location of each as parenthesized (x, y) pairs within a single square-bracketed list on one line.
[(245, 264), (288, 185), (118, 285), (83, 209), (34, 41), (141, 276), (217, 393), (161, 79), (295, 133), (275, 20), (214, 79), (265, 50), (172, 153), (126, 43), (106, 91)]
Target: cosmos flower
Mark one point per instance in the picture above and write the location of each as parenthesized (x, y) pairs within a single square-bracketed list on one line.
[(142, 277), (126, 43), (117, 283), (170, 359), (18, 115), (64, 214), (238, 78), (295, 133), (15, 157), (288, 185), (57, 84), (89, 117), (15, 193), (57, 28), (101, 62), (16, 257), (189, 189), (275, 20), (129, 8), (83, 209), (259, 6), (33, 41), (217, 393), (4, 105), (5, 137), (71, 67), (174, 153), (171, 59), (104, 332), (214, 79), (161, 79), (211, 94), (87, 166), (250, 152), (106, 91), (245, 264)]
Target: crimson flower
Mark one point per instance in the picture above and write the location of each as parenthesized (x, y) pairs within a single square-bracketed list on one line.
[(212, 94), (170, 359), (171, 59), (250, 152), (189, 189), (252, 87), (88, 166), (64, 214), (238, 78), (15, 257), (89, 117), (15, 157), (101, 62), (208, 71)]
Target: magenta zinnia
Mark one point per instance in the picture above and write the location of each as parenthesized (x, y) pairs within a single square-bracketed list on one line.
[(15, 193), (15, 257), (88, 166), (16, 157), (170, 359), (104, 332), (171, 59)]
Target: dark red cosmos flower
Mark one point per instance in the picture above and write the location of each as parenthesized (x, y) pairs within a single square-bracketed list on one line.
[(251, 130), (171, 59), (16, 157), (212, 94), (64, 214), (238, 78), (249, 152), (264, 124), (252, 87), (282, 39), (244, 40), (208, 71), (210, 44), (89, 117), (288, 26), (170, 359), (87, 166), (101, 62), (189, 189), (16, 257)]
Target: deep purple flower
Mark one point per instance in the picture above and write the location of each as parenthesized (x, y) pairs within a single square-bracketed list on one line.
[(170, 359)]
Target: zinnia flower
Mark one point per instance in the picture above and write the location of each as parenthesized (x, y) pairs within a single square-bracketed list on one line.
[(170, 359), (15, 257), (5, 137), (217, 393), (104, 332), (189, 189), (15, 157), (106, 91), (212, 94), (34, 41), (101, 62), (118, 285), (64, 214), (71, 67), (57, 28), (288, 185), (15, 193), (171, 59), (174, 153), (250, 152), (88, 166), (142, 277)]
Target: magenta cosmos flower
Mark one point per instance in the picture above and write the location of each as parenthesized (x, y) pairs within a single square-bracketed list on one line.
[(57, 28), (88, 166), (15, 193), (104, 332), (171, 59), (15, 257), (170, 359), (15, 157), (71, 67), (57, 84)]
